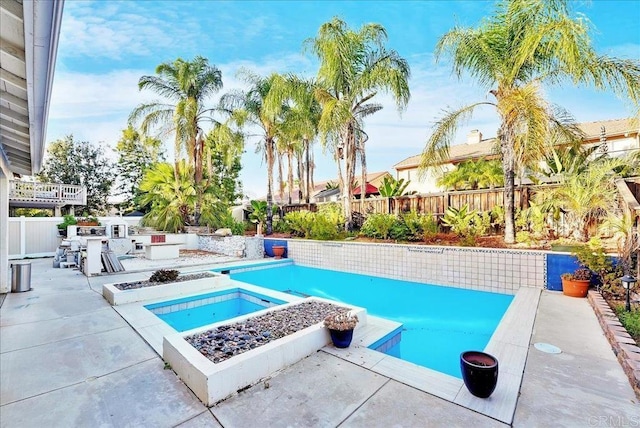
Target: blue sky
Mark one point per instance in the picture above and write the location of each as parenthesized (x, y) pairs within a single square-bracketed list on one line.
[(106, 46)]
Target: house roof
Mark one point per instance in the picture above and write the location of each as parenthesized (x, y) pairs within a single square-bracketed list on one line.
[(29, 41), (457, 153), (319, 186), (369, 189), (591, 130), (613, 127)]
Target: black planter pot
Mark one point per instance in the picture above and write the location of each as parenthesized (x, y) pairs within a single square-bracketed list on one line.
[(479, 372), (341, 338)]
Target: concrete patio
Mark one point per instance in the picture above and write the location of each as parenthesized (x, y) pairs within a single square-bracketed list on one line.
[(68, 359)]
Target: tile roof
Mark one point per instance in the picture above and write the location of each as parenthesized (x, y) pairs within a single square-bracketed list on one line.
[(591, 130)]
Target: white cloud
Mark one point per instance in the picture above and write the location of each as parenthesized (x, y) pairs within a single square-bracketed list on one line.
[(95, 106)]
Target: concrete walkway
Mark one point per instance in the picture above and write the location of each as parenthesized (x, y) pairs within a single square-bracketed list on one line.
[(68, 359)]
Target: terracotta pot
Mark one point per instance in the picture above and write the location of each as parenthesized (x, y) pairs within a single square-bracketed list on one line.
[(278, 251), (479, 372), (575, 287)]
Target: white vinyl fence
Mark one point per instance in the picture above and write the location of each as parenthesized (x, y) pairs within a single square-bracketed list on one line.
[(38, 236)]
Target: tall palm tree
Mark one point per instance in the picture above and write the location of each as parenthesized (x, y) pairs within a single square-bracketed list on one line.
[(524, 44), (186, 85), (354, 67), (249, 104), (300, 123)]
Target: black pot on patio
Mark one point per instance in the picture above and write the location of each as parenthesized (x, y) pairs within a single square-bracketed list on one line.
[(479, 372)]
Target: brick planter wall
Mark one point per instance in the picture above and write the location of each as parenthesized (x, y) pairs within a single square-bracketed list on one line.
[(622, 343)]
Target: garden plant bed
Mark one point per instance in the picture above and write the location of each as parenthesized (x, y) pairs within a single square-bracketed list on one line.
[(137, 291), (298, 333), (226, 341), (141, 284)]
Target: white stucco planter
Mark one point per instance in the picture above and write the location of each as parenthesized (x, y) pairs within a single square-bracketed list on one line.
[(116, 296), (212, 382)]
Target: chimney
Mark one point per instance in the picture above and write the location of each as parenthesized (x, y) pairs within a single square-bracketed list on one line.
[(474, 137)]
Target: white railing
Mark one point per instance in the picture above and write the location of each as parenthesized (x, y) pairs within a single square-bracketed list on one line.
[(52, 193)]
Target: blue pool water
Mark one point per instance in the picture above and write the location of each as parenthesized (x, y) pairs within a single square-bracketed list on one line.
[(439, 322), (187, 313)]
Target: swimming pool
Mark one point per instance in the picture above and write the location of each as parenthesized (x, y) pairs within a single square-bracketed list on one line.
[(439, 322), (196, 311)]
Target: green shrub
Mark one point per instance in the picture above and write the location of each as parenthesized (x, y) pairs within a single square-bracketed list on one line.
[(237, 227), (300, 223), (67, 220), (467, 224), (324, 228), (630, 321), (378, 226), (413, 223), (280, 226), (164, 275), (399, 231), (333, 212)]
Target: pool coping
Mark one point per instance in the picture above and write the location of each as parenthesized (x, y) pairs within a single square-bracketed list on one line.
[(213, 382), (153, 329), (509, 344)]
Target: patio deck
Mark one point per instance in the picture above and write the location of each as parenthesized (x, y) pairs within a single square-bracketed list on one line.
[(68, 359)]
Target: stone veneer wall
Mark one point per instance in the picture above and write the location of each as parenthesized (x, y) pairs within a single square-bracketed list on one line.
[(487, 269), (248, 247)]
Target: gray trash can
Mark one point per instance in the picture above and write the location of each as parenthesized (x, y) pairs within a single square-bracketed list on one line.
[(20, 277)]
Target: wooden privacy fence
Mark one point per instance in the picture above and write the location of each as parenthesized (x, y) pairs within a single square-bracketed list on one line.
[(433, 203), (437, 203)]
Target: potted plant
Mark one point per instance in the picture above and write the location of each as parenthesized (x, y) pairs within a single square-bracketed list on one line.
[(68, 220), (341, 326), (576, 284), (479, 372), (278, 251), (87, 220)]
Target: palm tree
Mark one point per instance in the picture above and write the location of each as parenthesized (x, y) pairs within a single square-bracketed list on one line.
[(585, 196), (249, 105), (300, 123), (523, 45), (172, 196), (186, 85), (354, 67)]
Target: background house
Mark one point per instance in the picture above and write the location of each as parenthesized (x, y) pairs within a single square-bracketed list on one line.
[(616, 137), (320, 193)]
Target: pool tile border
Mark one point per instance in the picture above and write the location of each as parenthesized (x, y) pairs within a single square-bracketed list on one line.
[(486, 269)]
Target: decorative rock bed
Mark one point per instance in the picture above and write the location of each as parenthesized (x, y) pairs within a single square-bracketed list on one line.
[(122, 293), (226, 341), (212, 382), (141, 284)]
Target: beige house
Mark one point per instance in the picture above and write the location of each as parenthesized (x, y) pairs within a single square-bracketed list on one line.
[(616, 137)]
